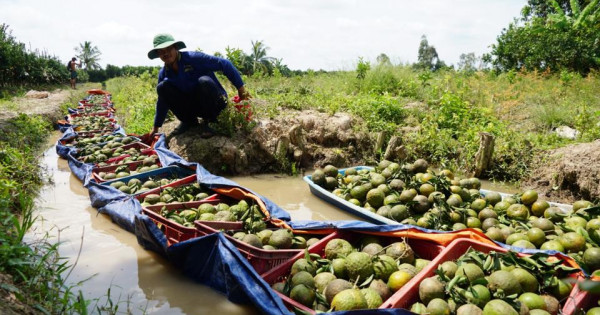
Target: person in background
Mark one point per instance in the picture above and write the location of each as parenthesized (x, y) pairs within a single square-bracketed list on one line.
[(73, 71), (188, 87)]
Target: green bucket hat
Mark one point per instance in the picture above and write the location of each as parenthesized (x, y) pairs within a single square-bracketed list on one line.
[(163, 41)]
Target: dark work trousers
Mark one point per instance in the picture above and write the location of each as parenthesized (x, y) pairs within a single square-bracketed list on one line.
[(205, 100)]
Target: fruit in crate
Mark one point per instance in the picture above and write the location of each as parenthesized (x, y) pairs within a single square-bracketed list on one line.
[(353, 275)]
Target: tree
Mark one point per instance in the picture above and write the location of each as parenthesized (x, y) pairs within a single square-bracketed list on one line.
[(260, 61), (383, 59), (554, 35), (428, 58), (468, 62), (89, 55)]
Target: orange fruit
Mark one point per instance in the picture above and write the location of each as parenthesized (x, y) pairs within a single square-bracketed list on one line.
[(398, 279)]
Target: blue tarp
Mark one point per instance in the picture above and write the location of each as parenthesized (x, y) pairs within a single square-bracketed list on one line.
[(213, 181), (214, 261)]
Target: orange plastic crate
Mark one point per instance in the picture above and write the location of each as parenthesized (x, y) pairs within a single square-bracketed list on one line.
[(409, 294), (423, 249), (175, 232)]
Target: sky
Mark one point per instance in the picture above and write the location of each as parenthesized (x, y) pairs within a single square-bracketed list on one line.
[(305, 34)]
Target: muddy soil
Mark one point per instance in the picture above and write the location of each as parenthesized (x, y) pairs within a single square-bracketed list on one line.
[(568, 174), (306, 138)]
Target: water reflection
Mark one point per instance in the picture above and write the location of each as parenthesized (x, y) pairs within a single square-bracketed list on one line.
[(292, 194)]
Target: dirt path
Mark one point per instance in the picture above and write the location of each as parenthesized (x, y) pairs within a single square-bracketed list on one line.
[(48, 107)]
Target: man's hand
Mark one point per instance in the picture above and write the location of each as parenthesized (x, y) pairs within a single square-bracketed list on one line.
[(243, 94)]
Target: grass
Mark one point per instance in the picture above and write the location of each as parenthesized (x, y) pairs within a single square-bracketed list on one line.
[(445, 110)]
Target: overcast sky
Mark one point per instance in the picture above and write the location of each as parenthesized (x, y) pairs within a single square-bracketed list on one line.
[(315, 34)]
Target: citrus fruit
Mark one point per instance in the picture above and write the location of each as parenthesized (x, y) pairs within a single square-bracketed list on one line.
[(384, 266), (372, 297), (303, 277), (381, 287), (572, 242), (334, 287), (478, 204), (330, 170), (471, 271), (302, 265), (529, 197), (347, 300), (399, 212), (532, 300), (431, 288), (562, 290), (538, 207), (499, 307), (480, 296), (593, 311), (281, 239), (318, 177), (505, 281), (449, 268), (511, 239), (421, 204), (337, 247), (438, 307), (493, 197), (473, 222), (426, 189), (322, 280), (536, 236), (517, 212), (359, 266), (418, 308), (303, 294), (402, 251), (591, 257), (375, 197), (398, 279), (581, 204), (524, 244), (552, 245), (372, 249), (469, 309), (528, 282)]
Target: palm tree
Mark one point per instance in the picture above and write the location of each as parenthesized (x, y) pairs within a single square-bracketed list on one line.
[(259, 56), (89, 55)]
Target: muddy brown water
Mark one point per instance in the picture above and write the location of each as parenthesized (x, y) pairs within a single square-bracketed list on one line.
[(140, 281)]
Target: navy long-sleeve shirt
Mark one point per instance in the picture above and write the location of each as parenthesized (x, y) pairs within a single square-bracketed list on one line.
[(193, 65)]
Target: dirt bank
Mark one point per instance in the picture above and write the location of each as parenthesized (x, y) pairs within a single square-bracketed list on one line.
[(306, 139), (568, 174)]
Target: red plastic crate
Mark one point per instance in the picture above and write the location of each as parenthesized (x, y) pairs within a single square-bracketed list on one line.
[(137, 145), (174, 232), (262, 260), (180, 182), (116, 160), (580, 301), (132, 167), (97, 132), (105, 113), (423, 249), (409, 293)]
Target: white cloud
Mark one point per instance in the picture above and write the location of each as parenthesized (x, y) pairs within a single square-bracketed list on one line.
[(305, 34)]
